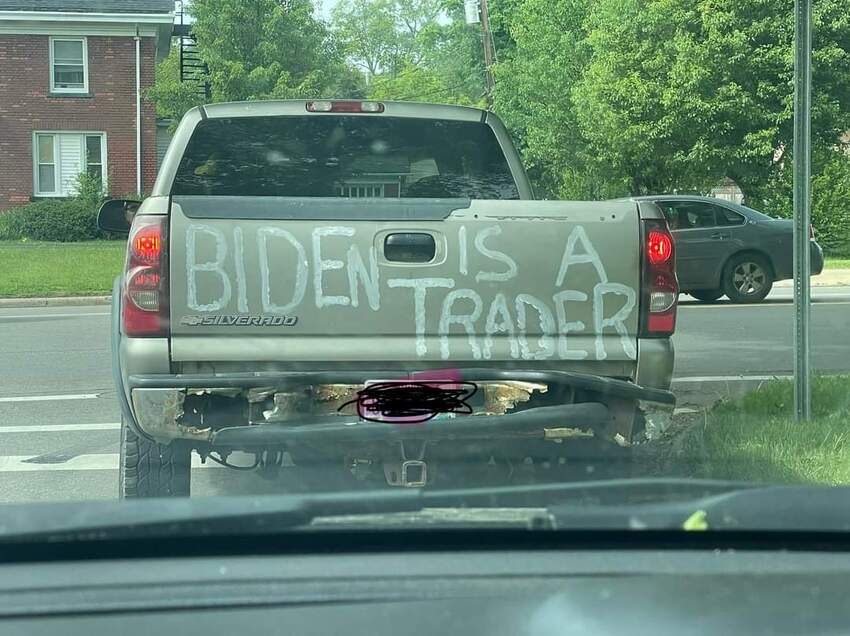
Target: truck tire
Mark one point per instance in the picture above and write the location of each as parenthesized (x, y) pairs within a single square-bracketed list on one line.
[(747, 278), (148, 469)]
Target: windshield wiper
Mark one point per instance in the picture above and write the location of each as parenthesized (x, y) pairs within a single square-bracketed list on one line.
[(247, 515)]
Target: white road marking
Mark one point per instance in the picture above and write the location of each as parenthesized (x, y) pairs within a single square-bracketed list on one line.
[(50, 398), (729, 378), (47, 315), (99, 461), (60, 428), (725, 305)]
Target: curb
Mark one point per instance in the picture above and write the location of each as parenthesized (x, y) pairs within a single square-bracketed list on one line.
[(60, 301), (706, 393), (827, 278)]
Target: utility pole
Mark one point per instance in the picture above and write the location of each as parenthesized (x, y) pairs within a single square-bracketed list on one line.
[(489, 52), (802, 206), (476, 13)]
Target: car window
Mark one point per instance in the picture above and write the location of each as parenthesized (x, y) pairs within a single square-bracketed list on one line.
[(725, 216), (689, 215), (754, 213), (351, 157)]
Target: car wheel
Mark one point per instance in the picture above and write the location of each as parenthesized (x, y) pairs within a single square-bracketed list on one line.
[(148, 469), (747, 278), (706, 295)]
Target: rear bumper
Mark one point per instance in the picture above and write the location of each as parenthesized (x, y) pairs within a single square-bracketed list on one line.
[(607, 404), (784, 269), (817, 258)]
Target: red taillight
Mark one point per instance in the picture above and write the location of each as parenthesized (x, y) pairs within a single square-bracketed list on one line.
[(659, 247), (660, 286), (328, 106), (144, 306), (147, 244)]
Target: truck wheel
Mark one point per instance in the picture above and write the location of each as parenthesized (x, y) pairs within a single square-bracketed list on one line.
[(706, 295), (747, 278), (148, 469)]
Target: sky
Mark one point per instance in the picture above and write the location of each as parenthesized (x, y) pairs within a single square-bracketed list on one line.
[(323, 7)]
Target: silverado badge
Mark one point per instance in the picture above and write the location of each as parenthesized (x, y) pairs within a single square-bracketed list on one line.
[(238, 321)]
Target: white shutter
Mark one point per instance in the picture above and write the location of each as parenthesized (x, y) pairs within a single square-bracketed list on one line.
[(70, 162)]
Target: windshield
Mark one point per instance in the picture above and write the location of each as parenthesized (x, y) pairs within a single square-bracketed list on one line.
[(357, 248), (352, 157)]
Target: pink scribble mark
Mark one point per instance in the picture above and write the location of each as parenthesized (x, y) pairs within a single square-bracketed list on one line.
[(437, 378)]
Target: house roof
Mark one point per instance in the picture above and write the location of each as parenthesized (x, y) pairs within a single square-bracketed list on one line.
[(90, 6)]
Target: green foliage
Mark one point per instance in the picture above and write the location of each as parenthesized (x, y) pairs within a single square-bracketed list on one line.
[(454, 50), (258, 49), (89, 189), (59, 269), (534, 96), (72, 219), (418, 50), (642, 96), (830, 397), (606, 98), (418, 84), (830, 197), (51, 220), (831, 204), (757, 439), (171, 96), (369, 34)]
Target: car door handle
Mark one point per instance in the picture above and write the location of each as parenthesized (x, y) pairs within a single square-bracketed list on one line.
[(719, 236), (410, 247)]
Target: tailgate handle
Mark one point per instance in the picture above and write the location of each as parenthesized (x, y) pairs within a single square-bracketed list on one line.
[(410, 247)]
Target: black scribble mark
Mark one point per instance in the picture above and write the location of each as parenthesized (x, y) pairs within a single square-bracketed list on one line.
[(403, 402)]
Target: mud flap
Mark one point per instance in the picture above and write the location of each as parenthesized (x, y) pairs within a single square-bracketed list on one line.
[(624, 423)]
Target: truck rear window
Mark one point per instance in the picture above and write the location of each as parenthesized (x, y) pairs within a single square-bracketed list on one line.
[(344, 156)]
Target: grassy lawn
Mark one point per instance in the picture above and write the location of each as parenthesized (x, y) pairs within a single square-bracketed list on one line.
[(59, 269), (837, 263), (757, 439)]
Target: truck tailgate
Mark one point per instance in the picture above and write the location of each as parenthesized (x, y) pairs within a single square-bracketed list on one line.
[(276, 279)]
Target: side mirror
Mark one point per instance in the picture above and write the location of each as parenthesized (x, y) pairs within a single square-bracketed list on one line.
[(117, 215)]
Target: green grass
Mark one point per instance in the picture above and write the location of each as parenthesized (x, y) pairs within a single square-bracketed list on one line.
[(29, 269), (837, 263), (757, 438)]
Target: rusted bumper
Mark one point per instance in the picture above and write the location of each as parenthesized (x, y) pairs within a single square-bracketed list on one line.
[(162, 406)]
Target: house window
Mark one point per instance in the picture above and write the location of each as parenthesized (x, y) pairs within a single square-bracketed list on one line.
[(46, 180), (360, 191), (68, 65), (94, 156), (60, 157)]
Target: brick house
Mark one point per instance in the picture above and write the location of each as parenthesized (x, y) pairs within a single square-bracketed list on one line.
[(72, 79)]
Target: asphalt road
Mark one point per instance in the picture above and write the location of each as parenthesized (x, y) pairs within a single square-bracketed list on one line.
[(59, 417)]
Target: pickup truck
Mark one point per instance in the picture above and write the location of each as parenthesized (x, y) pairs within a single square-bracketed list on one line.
[(371, 285)]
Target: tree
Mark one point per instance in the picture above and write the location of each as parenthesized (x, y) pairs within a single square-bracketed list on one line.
[(259, 49), (384, 36), (412, 49), (417, 84), (171, 96), (453, 50), (664, 95), (266, 48), (534, 84), (830, 197), (368, 35)]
